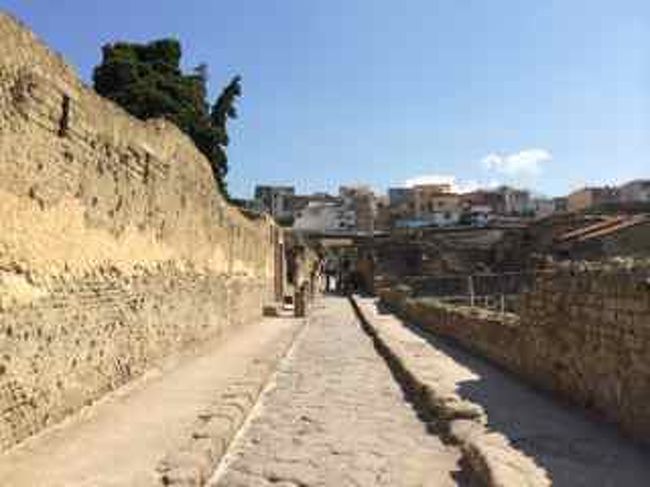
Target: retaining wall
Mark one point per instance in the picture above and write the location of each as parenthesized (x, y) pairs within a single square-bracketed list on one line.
[(116, 250), (585, 335)]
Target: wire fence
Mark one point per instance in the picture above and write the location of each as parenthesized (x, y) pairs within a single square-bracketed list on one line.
[(502, 292)]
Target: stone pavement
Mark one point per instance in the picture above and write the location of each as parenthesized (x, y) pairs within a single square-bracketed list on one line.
[(332, 414), (335, 416), (167, 428), (573, 449)]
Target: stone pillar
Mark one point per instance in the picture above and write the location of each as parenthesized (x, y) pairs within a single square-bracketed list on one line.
[(300, 302)]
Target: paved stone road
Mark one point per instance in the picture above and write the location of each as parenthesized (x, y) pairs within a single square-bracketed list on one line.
[(335, 416)]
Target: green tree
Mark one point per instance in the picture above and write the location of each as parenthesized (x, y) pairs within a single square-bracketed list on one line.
[(223, 110), (147, 81)]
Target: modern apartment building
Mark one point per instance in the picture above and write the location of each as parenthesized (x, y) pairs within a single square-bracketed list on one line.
[(276, 200), (589, 197)]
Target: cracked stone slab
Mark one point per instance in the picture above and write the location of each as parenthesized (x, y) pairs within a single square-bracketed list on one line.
[(334, 416)]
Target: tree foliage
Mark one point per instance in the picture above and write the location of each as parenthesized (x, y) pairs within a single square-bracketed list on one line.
[(147, 81)]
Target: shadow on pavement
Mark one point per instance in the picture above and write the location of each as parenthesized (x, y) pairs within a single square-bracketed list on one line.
[(575, 449), (462, 477)]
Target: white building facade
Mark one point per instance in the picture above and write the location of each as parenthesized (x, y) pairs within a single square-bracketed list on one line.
[(637, 191), (325, 217)]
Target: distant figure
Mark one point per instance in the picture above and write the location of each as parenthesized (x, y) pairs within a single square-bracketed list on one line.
[(344, 277), (330, 276)]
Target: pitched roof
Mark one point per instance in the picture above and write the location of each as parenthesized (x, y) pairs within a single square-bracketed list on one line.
[(604, 228)]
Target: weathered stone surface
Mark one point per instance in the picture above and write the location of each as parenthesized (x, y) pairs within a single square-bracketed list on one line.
[(169, 426), (115, 248), (523, 436), (489, 455), (335, 417), (584, 334), (217, 424)]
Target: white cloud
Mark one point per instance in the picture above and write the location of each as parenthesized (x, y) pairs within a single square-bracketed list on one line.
[(519, 168), (523, 164), (456, 186)]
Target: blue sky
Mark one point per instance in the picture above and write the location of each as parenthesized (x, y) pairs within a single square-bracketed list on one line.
[(549, 94)]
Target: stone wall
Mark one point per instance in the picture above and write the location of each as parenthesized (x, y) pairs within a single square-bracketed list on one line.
[(584, 334), (115, 248), (451, 251)]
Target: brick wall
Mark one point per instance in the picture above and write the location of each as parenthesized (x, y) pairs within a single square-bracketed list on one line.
[(115, 248), (583, 334)]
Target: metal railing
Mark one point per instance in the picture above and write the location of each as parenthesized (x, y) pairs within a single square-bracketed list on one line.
[(502, 292), (498, 292)]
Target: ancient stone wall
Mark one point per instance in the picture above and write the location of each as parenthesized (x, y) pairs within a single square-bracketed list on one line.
[(115, 248), (445, 251), (585, 335)]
